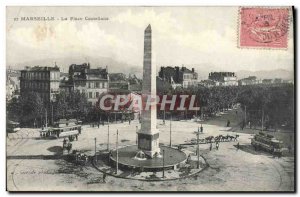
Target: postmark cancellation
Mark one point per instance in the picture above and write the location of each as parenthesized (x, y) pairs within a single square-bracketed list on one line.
[(263, 27)]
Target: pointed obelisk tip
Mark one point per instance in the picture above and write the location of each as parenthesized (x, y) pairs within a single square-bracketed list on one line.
[(148, 28)]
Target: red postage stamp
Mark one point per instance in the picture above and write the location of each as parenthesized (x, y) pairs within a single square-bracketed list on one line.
[(263, 27)]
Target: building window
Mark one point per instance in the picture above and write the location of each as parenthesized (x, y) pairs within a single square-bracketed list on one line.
[(90, 94), (89, 85), (97, 94), (105, 85), (97, 85)]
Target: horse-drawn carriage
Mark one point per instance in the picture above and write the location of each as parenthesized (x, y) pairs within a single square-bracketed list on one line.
[(67, 145), (78, 157), (218, 138)]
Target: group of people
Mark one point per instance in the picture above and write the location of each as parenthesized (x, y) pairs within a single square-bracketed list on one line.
[(67, 145), (217, 145)]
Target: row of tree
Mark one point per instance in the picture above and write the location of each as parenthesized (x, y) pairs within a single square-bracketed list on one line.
[(272, 104), (30, 110)]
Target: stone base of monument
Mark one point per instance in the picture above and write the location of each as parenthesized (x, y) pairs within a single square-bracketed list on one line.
[(127, 159), (174, 167)]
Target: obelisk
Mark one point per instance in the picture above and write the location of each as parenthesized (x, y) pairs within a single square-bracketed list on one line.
[(148, 136)]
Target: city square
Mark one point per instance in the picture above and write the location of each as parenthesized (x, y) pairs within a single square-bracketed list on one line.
[(44, 167), (132, 123)]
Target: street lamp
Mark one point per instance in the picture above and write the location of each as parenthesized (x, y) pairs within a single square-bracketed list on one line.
[(163, 164), (108, 132), (136, 138), (117, 144), (198, 152), (95, 149), (52, 119), (171, 130)]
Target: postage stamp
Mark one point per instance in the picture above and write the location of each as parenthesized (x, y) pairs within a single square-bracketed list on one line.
[(263, 27)]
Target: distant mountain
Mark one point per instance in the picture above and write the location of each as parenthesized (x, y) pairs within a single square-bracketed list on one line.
[(267, 74)]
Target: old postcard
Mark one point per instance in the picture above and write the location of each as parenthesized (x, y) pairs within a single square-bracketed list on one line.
[(186, 99)]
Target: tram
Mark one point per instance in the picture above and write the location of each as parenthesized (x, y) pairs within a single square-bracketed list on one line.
[(267, 143), (63, 129), (12, 127)]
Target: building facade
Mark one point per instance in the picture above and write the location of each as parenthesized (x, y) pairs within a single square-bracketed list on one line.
[(251, 80), (42, 80), (177, 76), (118, 82), (224, 78), (91, 82)]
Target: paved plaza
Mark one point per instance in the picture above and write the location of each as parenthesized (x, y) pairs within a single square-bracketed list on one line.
[(38, 164)]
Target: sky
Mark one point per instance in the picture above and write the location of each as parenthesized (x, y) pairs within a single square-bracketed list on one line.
[(201, 37)]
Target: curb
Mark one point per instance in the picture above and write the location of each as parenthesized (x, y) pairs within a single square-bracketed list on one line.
[(139, 179)]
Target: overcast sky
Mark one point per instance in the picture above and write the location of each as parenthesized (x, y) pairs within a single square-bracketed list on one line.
[(181, 35)]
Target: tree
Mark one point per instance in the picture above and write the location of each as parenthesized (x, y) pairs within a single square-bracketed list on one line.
[(71, 105), (13, 110), (32, 109)]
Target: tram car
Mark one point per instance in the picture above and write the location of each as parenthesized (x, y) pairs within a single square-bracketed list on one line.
[(63, 129), (12, 127), (266, 142)]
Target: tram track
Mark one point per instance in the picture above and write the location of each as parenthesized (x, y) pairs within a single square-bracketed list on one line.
[(285, 179), (22, 140)]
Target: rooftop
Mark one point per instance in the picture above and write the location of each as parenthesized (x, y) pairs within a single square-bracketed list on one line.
[(41, 68)]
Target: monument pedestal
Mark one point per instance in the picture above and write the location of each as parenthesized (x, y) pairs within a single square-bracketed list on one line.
[(149, 143)]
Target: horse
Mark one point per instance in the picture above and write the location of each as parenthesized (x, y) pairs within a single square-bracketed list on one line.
[(209, 138), (236, 137)]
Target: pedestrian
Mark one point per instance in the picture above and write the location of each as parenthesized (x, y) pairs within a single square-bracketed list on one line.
[(98, 124), (228, 123), (129, 120), (201, 128), (104, 177), (188, 158), (76, 137), (238, 146), (210, 147), (217, 145), (64, 142)]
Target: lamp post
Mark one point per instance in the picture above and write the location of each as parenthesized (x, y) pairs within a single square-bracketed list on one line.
[(171, 130), (136, 138), (52, 119), (117, 144), (198, 152), (262, 120), (164, 122), (46, 121), (163, 164), (245, 114), (95, 149), (108, 132)]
